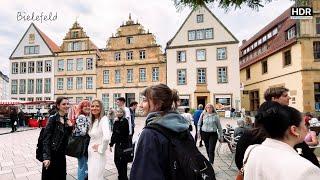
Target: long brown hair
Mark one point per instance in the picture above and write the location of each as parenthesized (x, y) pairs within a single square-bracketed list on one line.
[(162, 97), (101, 111)]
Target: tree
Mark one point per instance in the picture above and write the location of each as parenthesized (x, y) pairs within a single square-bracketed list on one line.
[(227, 4)]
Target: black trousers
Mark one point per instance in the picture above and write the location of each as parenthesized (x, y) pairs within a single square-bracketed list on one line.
[(57, 169), (13, 127), (210, 141), (120, 162)]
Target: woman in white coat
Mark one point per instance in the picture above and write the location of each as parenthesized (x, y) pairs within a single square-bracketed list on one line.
[(275, 158), (99, 133)]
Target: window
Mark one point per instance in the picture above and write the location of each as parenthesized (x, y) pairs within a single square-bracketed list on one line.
[(31, 67), (31, 50), (69, 83), (30, 99), (274, 31), (78, 99), (200, 34), (70, 65), (182, 76), (89, 83), (30, 86), (14, 86), (181, 56), (248, 73), (201, 54), (209, 33), (79, 64), (316, 50), (105, 100), (254, 100), (74, 46), (264, 65), (106, 77), (155, 74), (15, 68), (201, 76), (129, 55), (48, 65), (60, 84), (318, 25), (291, 33), (264, 39), (117, 76), (222, 74), (79, 83), (222, 102), (38, 86), (142, 54), (317, 96), (75, 34), (89, 98), (23, 67), (142, 74), (191, 35), (199, 18), (60, 65), (222, 53), (89, 63), (115, 97), (47, 85), (129, 75), (287, 57), (269, 35), (22, 86), (129, 40), (38, 99), (39, 66), (117, 56)]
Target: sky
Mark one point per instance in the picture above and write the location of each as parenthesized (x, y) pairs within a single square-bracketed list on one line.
[(101, 18)]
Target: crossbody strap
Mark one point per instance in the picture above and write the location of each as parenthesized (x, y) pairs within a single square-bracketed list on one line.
[(246, 159)]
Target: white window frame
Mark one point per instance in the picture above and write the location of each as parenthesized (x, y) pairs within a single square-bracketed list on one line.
[(39, 66), (48, 65), (222, 73), (14, 86), (181, 56), (117, 56), (79, 64), (106, 76), (47, 85), (142, 74), (155, 74), (105, 100), (117, 76), (31, 67), (221, 53), (182, 76), (30, 89), (201, 54), (15, 68), (79, 82), (89, 82), (69, 64), (60, 83), (201, 76), (23, 67), (129, 55), (89, 64), (142, 54), (60, 65), (129, 75)]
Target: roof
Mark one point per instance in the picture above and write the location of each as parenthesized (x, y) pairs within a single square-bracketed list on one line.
[(170, 41), (275, 44), (51, 44)]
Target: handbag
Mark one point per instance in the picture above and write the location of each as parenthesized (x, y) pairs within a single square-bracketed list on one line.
[(240, 174), (75, 147)]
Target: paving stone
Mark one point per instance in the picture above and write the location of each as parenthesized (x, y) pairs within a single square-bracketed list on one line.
[(8, 176)]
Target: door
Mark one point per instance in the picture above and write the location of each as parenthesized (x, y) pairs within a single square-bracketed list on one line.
[(202, 100), (130, 97)]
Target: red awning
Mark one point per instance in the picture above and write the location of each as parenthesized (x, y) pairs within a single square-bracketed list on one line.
[(38, 102), (11, 102)]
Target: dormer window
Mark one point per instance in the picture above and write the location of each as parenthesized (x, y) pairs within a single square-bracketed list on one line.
[(200, 18), (291, 33)]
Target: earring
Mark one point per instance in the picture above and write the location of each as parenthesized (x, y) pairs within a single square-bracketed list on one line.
[(298, 135)]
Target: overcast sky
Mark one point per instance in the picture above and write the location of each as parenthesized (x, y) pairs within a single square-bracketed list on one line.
[(101, 18)]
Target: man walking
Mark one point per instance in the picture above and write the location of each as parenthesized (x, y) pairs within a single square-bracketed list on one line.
[(132, 107), (196, 117), (121, 104)]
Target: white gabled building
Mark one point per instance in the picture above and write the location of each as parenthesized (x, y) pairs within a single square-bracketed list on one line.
[(203, 62), (4, 87), (32, 68)]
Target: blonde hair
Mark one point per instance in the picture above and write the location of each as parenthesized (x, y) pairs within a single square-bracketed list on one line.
[(122, 111), (101, 111)]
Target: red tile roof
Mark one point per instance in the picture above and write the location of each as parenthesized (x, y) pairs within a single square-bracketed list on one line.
[(52, 45), (276, 43)]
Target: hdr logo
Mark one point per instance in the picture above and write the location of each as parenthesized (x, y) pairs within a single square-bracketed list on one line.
[(301, 13)]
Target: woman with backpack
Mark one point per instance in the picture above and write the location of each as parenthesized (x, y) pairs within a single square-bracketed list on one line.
[(210, 125), (81, 129), (56, 135), (99, 133), (120, 137), (153, 154)]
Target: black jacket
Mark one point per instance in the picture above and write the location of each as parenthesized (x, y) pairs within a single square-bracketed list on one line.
[(55, 136), (120, 133)]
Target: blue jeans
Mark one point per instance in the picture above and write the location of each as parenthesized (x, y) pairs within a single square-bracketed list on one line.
[(82, 167)]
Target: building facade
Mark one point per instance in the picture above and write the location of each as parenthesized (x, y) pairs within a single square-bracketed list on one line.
[(131, 62), (4, 87), (75, 66), (202, 62), (285, 53), (31, 68)]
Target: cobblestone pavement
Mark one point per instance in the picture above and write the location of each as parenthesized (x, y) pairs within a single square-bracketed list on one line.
[(17, 157)]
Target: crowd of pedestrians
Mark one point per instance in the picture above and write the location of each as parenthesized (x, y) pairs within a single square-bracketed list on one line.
[(279, 137)]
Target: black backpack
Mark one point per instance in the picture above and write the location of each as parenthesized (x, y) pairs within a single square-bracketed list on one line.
[(186, 161), (39, 150)]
